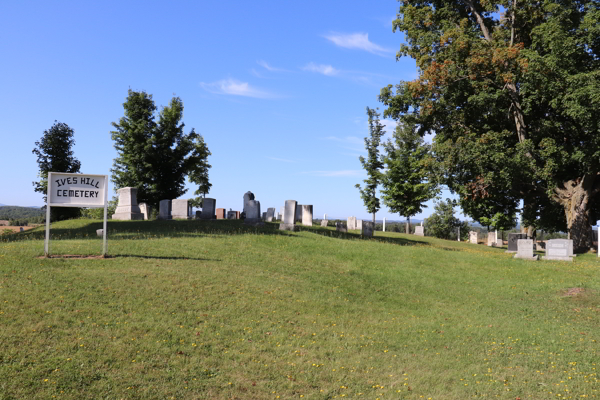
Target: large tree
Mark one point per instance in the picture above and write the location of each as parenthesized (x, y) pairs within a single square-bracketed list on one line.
[(406, 183), (443, 224), (54, 153), (372, 164), (155, 157), (511, 89)]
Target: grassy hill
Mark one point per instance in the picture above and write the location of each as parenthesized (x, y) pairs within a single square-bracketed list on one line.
[(217, 310)]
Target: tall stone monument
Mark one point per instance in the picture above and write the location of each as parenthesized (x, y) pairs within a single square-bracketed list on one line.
[(253, 214), (351, 224), (247, 197), (307, 215), (289, 216), (128, 208), (299, 212), (209, 208)]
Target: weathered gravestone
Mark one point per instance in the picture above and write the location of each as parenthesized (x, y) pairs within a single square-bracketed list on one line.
[(164, 209), (324, 222), (419, 230), (512, 241), (340, 227), (299, 212), (264, 216), (281, 212), (21, 229), (367, 228), (253, 214), (247, 197), (359, 224), (289, 216), (473, 237), (231, 214), (220, 213), (128, 209), (525, 250), (146, 210), (559, 249), (99, 232), (491, 239), (351, 225), (307, 215), (180, 209), (270, 214), (209, 207)]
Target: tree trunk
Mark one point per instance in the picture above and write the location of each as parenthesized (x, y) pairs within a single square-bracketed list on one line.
[(576, 196), (408, 225), (373, 220)]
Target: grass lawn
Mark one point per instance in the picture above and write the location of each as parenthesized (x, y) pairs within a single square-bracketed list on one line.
[(216, 310)]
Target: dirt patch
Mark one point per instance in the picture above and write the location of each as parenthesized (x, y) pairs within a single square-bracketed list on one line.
[(15, 228), (573, 291), (74, 256)]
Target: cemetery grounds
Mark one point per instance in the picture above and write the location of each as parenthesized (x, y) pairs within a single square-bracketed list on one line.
[(217, 310)]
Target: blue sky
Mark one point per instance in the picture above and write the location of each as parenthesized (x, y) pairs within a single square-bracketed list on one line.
[(278, 89)]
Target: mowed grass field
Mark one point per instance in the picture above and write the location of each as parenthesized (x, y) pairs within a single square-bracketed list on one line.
[(216, 310)]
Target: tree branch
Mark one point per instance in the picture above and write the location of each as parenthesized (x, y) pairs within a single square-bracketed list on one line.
[(484, 29)]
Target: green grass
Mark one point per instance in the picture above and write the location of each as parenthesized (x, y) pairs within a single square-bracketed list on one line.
[(217, 310)]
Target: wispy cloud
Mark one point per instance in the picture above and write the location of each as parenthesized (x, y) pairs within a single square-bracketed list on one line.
[(342, 173), (281, 159), (321, 69), (269, 67), (236, 88), (359, 41)]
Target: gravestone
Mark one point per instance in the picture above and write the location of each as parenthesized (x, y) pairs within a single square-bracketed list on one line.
[(164, 209), (232, 214), (324, 222), (247, 197), (220, 213), (473, 237), (525, 250), (419, 230), (307, 215), (340, 227), (499, 241), (491, 239), (208, 208), (270, 214), (99, 232), (299, 212), (21, 229), (179, 209), (351, 225), (559, 249), (512, 241), (145, 209), (253, 214), (367, 228), (281, 212), (359, 224), (384, 224), (264, 216), (128, 209), (289, 216), (198, 214)]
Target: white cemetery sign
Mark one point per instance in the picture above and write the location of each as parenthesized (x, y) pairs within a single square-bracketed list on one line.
[(76, 190)]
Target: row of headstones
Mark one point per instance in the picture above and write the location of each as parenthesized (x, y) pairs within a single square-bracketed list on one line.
[(556, 249), (492, 240)]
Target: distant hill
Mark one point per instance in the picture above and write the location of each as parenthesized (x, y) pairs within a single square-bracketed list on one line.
[(16, 212)]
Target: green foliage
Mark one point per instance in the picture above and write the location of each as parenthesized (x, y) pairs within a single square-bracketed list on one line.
[(54, 154), (512, 100), (156, 157), (443, 224), (21, 213), (406, 186), (373, 164), (98, 213)]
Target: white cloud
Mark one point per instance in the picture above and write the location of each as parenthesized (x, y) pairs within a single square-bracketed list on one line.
[(358, 41), (321, 69), (342, 173), (236, 88), (268, 67)]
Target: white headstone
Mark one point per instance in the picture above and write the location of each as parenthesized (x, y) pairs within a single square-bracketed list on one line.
[(473, 237), (270, 214), (180, 209), (289, 216), (307, 215), (351, 225), (384, 224), (525, 250), (359, 224), (128, 209), (559, 249), (419, 230), (145, 209)]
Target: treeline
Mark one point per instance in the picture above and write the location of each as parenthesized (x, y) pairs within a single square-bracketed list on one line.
[(21, 213)]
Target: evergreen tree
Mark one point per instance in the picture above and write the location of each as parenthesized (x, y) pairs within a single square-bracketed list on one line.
[(156, 157), (405, 183), (443, 224), (373, 164), (55, 154)]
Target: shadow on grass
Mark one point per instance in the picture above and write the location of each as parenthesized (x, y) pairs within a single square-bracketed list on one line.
[(161, 257), (144, 230)]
